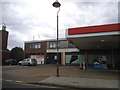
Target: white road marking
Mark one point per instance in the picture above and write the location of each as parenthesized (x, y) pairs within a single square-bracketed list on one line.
[(18, 81), (43, 86), (8, 80)]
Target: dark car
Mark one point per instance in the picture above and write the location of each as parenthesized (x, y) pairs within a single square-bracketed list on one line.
[(11, 62)]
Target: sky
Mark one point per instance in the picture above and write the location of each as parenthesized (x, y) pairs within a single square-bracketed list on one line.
[(28, 20)]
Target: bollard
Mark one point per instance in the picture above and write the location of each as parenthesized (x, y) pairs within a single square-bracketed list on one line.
[(84, 66)]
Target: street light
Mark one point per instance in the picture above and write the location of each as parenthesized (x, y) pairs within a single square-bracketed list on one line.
[(56, 4)]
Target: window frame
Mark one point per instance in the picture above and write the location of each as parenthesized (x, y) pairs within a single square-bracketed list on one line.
[(34, 45), (53, 44)]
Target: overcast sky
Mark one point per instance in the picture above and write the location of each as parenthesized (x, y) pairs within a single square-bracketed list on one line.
[(36, 19)]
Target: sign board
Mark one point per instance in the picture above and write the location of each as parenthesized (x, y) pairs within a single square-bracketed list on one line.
[(39, 58)]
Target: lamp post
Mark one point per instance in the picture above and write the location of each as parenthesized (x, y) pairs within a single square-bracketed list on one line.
[(56, 4)]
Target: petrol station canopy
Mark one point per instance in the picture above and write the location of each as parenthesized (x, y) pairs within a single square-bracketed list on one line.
[(95, 37)]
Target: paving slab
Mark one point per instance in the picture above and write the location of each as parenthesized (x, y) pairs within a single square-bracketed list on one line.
[(80, 82)]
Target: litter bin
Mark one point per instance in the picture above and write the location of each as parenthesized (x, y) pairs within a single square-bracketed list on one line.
[(97, 65)]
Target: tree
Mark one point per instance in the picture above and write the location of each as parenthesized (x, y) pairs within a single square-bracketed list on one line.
[(17, 53)]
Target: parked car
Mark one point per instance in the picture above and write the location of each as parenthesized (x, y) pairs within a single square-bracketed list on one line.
[(11, 62), (28, 61)]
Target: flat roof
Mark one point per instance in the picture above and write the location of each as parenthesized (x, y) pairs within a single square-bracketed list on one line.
[(98, 37), (48, 40)]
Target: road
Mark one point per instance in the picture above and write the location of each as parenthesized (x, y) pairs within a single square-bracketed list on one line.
[(6, 85), (23, 86), (20, 77), (12, 85), (25, 75)]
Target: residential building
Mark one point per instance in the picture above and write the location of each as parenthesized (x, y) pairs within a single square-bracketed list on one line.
[(46, 51), (66, 50), (36, 49)]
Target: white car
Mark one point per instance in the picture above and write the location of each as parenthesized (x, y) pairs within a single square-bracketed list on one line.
[(28, 61)]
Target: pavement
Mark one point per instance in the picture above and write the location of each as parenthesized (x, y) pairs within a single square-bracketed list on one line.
[(78, 82), (104, 81), (70, 76)]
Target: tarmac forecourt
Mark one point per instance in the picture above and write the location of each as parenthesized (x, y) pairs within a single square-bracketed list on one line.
[(70, 76)]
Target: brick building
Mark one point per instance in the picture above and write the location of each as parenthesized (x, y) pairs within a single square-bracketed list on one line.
[(36, 49), (46, 51), (4, 52)]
